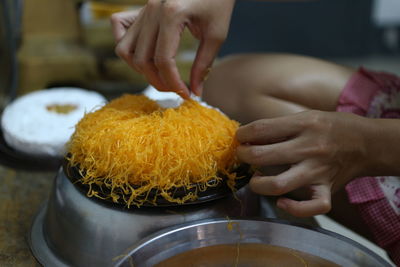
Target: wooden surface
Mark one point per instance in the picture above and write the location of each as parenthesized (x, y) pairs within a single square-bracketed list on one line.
[(21, 195)]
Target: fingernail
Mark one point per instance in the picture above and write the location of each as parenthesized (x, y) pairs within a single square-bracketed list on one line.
[(183, 94), (199, 90)]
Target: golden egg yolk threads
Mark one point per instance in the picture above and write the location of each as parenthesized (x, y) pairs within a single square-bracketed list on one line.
[(133, 146)]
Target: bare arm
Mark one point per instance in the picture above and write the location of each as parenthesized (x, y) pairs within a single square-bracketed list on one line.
[(383, 147)]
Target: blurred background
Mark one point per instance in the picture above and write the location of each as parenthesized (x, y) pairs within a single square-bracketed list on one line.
[(47, 43)]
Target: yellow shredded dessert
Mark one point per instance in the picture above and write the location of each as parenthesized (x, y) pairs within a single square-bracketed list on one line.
[(133, 146)]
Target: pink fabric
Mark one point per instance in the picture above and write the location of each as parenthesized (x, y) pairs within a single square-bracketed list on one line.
[(357, 94), (363, 190), (382, 221), (375, 95)]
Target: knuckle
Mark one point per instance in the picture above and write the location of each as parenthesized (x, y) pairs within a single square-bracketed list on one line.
[(121, 51), (278, 187), (163, 63), (152, 3), (255, 187), (314, 118), (114, 18), (217, 33), (140, 62), (304, 120), (322, 148), (325, 205), (172, 8), (255, 155), (316, 115)]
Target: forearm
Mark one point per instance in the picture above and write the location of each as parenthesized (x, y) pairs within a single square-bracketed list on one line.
[(383, 147)]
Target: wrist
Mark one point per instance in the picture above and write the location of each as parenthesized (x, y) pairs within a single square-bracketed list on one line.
[(382, 139)]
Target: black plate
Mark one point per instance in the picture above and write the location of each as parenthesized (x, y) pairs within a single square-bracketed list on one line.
[(210, 194), (19, 160)]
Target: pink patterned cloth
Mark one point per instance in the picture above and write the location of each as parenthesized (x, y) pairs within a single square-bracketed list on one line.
[(376, 95)]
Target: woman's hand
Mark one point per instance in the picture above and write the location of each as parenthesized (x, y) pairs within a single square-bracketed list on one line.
[(324, 150), (148, 40)]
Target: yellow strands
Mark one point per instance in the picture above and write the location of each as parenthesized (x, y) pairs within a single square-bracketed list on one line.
[(133, 146)]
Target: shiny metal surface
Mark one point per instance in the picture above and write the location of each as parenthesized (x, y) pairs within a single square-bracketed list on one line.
[(318, 242), (73, 230), (38, 243)]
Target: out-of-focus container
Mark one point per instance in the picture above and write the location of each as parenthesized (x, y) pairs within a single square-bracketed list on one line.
[(74, 230)]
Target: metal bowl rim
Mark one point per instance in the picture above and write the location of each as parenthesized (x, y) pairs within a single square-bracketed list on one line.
[(170, 230)]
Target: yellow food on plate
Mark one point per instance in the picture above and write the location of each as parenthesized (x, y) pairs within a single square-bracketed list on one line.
[(133, 146)]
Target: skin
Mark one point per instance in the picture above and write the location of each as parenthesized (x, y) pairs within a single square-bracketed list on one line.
[(148, 39), (290, 102)]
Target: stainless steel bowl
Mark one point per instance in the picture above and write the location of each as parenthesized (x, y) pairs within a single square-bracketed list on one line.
[(74, 230), (317, 242)]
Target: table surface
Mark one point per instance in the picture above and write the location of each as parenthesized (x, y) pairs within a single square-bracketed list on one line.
[(21, 195)]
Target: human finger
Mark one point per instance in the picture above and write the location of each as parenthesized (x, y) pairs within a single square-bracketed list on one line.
[(121, 21), (319, 203), (272, 154), (206, 53), (125, 48), (165, 52), (144, 51), (285, 182), (267, 131)]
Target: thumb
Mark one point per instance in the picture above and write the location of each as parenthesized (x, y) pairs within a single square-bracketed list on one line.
[(205, 56)]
